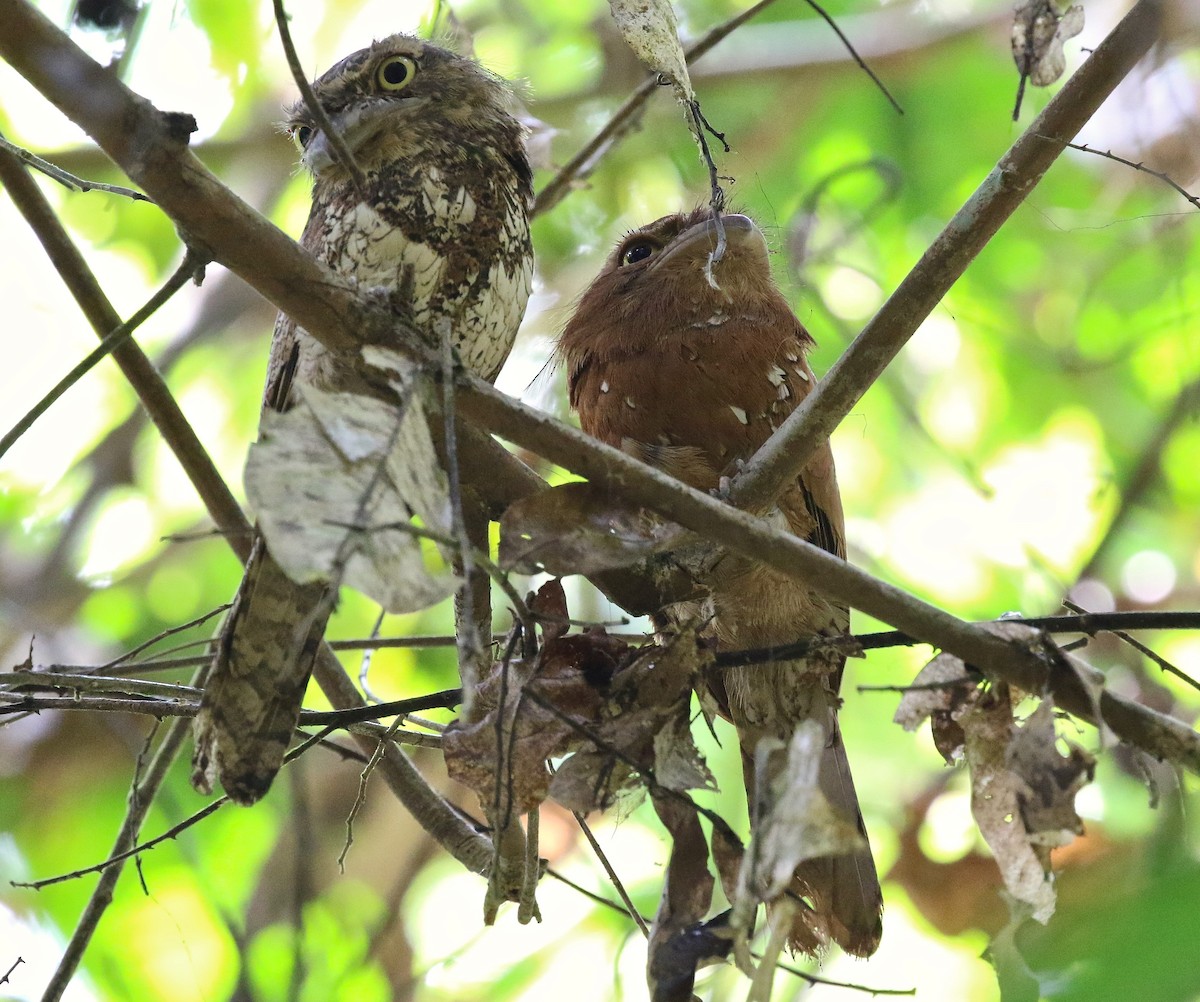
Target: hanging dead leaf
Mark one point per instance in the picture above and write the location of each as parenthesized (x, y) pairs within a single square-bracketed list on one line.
[(1049, 781), (618, 716), (995, 801), (679, 944), (650, 29), (646, 719), (502, 753), (332, 478), (794, 821), (1016, 981), (1038, 34), (938, 691), (580, 529)]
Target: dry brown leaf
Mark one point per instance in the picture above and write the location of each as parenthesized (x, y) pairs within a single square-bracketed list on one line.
[(995, 801), (580, 529), (919, 702), (1048, 781), (549, 605), (678, 944), (512, 738), (1038, 34), (646, 718), (938, 703), (589, 697)]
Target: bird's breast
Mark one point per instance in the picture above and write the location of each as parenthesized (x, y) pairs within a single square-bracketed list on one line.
[(449, 250)]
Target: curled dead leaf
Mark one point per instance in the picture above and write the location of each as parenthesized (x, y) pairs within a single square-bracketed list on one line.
[(579, 528), (651, 30), (1049, 780), (937, 693), (794, 821), (332, 482), (679, 942), (1022, 793), (1038, 34), (612, 709)]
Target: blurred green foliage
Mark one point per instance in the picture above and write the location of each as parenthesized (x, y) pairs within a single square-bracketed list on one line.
[(1039, 435)]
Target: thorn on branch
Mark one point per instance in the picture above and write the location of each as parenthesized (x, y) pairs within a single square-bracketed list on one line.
[(1139, 166)]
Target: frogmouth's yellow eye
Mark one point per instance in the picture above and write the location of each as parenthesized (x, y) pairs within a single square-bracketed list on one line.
[(637, 251), (395, 73), (301, 134)]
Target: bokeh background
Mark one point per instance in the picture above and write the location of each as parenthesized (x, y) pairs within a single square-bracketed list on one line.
[(1038, 438)]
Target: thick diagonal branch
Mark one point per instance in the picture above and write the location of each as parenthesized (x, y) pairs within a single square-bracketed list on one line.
[(785, 454)]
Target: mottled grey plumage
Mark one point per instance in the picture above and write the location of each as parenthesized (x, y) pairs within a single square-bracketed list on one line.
[(443, 225)]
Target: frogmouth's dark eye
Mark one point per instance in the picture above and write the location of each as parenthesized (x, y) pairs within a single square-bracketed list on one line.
[(637, 251), (301, 135), (395, 73)]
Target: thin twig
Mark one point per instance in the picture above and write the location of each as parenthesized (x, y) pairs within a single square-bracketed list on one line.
[(141, 797), (114, 861), (814, 979), (467, 629), (856, 57), (8, 974), (368, 653), (592, 895), (341, 151), (169, 632), (66, 179), (1165, 178), (141, 373), (1137, 645), (613, 879), (360, 798), (189, 269), (1145, 474), (24, 679)]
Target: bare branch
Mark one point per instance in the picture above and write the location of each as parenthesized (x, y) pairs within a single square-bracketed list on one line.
[(65, 178), (1033, 671), (141, 796), (1145, 474), (136, 367), (855, 56)]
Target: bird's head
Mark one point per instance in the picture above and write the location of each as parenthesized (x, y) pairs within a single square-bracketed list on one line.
[(659, 280), (397, 99)]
